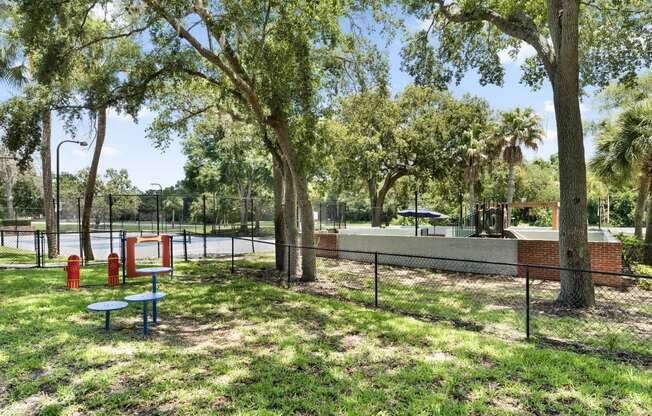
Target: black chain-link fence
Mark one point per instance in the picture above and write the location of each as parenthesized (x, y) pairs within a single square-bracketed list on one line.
[(507, 299)]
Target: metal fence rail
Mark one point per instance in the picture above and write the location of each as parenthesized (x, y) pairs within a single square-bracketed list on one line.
[(525, 305)]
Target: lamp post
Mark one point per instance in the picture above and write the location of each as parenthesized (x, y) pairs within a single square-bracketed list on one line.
[(82, 144), (158, 201)]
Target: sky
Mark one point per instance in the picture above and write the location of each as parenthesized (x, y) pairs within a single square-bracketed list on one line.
[(127, 147)]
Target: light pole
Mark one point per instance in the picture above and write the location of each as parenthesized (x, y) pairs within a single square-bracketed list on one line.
[(83, 144), (158, 200)]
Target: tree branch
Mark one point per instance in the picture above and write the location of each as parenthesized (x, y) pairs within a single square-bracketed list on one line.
[(249, 94), (520, 26)]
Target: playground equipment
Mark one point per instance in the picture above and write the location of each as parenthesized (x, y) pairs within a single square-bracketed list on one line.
[(113, 269), (129, 253), (72, 272)]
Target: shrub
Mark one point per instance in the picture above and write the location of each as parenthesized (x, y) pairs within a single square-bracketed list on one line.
[(644, 270), (633, 249), (16, 223), (543, 217)]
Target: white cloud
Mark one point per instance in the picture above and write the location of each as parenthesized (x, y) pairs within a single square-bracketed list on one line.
[(551, 135), (419, 24), (110, 151), (525, 51), (549, 107), (584, 109), (107, 151), (111, 114), (80, 151)]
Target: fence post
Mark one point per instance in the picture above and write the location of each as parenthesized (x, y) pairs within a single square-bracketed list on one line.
[(2, 237), (111, 222), (172, 255), (42, 246), (204, 219), (251, 210), (527, 302), (37, 248), (416, 213), (376, 279), (185, 245), (319, 216), (79, 232), (232, 255), (123, 255)]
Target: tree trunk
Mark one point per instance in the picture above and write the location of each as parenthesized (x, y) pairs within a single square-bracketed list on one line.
[(472, 196), (648, 235), (308, 255), (89, 192), (510, 192), (644, 185), (48, 205), (243, 213), (376, 213), (300, 182), (576, 287), (279, 219), (9, 196), (290, 210)]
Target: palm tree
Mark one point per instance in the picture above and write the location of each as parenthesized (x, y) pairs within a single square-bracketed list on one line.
[(518, 128), (473, 151), (627, 147), (173, 203), (13, 73)]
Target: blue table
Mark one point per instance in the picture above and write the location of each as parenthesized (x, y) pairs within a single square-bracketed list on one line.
[(107, 307), (144, 298), (154, 271)]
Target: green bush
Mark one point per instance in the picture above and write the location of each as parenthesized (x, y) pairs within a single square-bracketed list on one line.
[(543, 217), (633, 249), (643, 270), (16, 223)]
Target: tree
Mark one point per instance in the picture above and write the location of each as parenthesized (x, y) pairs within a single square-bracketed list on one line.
[(270, 59), (173, 204), (473, 152), (626, 147), (226, 155), (615, 98), (614, 42), (101, 66), (518, 128), (380, 139)]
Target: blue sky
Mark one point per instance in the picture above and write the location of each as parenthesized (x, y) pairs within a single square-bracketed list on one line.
[(127, 146)]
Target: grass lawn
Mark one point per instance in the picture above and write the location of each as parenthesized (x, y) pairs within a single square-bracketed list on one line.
[(620, 323), (232, 345), (15, 255)]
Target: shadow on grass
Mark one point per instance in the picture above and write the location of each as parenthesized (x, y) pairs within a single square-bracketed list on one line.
[(229, 345)]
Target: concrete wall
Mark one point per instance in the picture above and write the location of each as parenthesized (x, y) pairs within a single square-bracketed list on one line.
[(553, 235), (483, 249), (407, 231)]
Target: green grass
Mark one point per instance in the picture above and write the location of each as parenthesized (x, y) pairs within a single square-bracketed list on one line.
[(10, 255), (232, 345), (620, 322)]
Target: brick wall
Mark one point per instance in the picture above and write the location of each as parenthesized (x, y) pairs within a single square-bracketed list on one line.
[(326, 241), (604, 256)]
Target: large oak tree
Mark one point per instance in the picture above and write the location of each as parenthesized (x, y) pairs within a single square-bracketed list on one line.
[(577, 44)]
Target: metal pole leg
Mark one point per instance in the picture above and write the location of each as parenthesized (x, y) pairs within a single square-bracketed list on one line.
[(107, 316), (154, 302), (144, 318)]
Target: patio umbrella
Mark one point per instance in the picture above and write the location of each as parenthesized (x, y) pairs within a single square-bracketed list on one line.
[(422, 213)]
